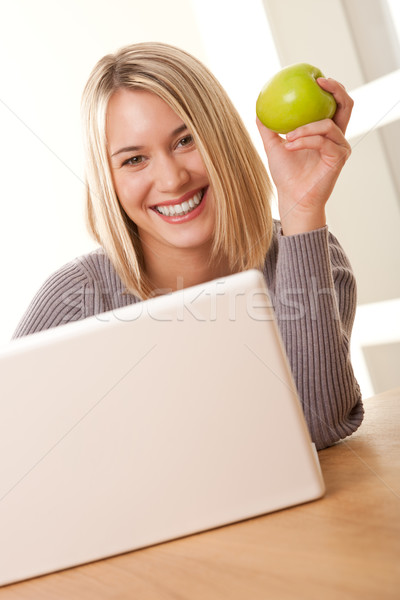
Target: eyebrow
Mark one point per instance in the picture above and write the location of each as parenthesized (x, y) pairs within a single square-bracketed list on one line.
[(176, 131)]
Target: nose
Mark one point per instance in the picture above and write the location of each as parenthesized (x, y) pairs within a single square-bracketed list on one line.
[(170, 173)]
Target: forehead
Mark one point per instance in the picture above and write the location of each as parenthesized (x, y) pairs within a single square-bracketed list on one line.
[(138, 113)]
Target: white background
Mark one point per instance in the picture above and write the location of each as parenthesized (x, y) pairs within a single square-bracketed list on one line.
[(48, 49)]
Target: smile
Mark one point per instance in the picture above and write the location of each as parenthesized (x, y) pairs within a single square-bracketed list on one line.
[(180, 210)]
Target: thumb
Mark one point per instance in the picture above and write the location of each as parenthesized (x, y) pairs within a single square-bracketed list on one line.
[(269, 138)]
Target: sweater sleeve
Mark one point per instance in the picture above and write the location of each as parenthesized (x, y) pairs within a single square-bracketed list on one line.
[(87, 286), (315, 302), (63, 298)]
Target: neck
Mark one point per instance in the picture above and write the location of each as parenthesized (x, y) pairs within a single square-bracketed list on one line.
[(181, 269)]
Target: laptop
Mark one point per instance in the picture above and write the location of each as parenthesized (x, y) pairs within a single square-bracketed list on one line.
[(151, 422)]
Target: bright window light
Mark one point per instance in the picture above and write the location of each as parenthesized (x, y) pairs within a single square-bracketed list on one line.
[(241, 53), (394, 8), (376, 323), (375, 104)]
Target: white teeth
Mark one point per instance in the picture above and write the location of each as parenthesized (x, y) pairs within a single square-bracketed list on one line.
[(181, 209)]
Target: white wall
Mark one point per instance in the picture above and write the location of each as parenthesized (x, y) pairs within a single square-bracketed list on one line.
[(47, 51), (364, 209)]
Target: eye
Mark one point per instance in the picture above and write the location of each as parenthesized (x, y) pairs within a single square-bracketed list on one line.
[(133, 160), (185, 141)]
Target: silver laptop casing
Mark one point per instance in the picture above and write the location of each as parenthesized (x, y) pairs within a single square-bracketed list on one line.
[(154, 421)]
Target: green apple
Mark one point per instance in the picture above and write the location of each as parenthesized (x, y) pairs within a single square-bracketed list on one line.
[(293, 98)]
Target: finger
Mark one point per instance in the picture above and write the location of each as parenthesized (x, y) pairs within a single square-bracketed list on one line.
[(344, 102), (334, 155), (269, 138), (326, 128)]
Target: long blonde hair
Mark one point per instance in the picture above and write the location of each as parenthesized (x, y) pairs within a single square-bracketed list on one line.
[(237, 176)]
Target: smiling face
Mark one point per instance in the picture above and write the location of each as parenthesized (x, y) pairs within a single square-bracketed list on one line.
[(158, 174)]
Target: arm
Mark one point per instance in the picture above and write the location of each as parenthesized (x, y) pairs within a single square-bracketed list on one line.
[(315, 300), (314, 288), (306, 165), (87, 286), (60, 300)]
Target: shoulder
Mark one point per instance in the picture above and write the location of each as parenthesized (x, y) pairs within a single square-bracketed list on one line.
[(89, 270), (83, 287)]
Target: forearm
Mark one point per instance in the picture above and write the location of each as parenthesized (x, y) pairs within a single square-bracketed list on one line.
[(295, 220), (315, 299)]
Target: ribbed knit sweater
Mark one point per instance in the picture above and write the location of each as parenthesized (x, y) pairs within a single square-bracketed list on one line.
[(313, 291)]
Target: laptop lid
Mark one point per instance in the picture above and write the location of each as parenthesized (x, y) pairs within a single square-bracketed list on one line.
[(151, 422)]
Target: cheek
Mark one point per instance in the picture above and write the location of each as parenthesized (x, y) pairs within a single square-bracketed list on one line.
[(131, 191), (197, 165)]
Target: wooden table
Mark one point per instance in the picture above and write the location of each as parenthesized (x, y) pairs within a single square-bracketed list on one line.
[(344, 546)]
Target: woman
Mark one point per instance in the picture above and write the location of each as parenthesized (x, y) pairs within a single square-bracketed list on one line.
[(177, 195)]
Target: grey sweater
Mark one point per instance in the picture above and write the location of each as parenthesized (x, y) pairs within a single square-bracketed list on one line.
[(314, 296)]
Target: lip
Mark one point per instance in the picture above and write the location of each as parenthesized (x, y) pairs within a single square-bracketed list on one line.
[(184, 218), (179, 200)]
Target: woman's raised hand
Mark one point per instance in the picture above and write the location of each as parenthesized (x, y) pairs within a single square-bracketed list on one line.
[(306, 165)]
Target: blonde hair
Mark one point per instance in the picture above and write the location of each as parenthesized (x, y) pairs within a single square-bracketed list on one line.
[(237, 176)]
